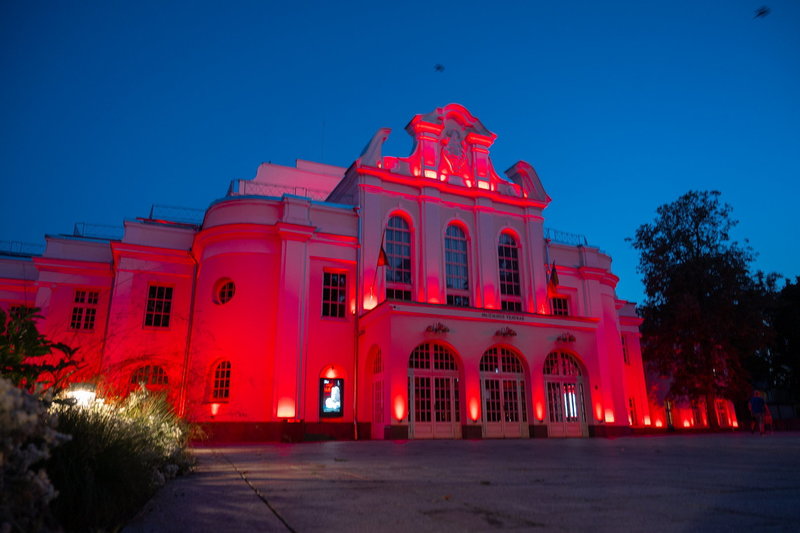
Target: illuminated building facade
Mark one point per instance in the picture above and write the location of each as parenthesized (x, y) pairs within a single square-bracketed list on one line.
[(402, 297)]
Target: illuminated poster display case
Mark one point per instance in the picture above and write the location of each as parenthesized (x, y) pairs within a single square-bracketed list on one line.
[(331, 397)]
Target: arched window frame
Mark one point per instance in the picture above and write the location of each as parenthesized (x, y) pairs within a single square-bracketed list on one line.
[(399, 248), (220, 381), (456, 263), (150, 375), (509, 273)]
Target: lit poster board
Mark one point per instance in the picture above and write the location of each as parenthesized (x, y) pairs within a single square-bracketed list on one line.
[(331, 397)]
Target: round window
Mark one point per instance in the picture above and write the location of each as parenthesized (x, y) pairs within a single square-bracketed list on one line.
[(224, 291)]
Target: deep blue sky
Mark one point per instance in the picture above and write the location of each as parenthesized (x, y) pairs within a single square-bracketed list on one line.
[(108, 107)]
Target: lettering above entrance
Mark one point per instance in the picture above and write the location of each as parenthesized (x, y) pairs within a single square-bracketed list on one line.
[(452, 146)]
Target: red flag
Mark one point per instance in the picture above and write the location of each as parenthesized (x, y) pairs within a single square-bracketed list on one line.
[(552, 283), (382, 259)]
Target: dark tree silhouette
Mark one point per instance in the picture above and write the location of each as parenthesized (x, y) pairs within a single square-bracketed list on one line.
[(26, 356), (702, 314)]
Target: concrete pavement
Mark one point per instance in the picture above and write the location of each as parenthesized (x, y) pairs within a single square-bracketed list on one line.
[(708, 482)]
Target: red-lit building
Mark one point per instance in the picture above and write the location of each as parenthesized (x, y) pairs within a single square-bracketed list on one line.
[(417, 297)]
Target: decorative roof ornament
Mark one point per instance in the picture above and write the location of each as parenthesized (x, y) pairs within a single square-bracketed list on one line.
[(566, 337), (505, 332), (437, 328)]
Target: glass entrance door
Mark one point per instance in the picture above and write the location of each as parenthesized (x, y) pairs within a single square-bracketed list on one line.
[(434, 400), (505, 411)]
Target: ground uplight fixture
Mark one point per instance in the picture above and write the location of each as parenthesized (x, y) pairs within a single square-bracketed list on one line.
[(83, 393)]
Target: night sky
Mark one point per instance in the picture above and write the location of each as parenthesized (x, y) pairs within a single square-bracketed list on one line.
[(108, 107)]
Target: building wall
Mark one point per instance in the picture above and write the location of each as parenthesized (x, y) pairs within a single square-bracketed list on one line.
[(268, 245)]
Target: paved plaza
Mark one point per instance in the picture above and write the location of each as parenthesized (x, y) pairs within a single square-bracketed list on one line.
[(708, 482)]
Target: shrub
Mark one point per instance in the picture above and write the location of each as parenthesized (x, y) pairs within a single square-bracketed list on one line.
[(26, 436), (118, 456)]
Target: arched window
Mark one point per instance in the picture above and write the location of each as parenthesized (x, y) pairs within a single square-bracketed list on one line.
[(508, 265), (456, 266), (398, 256), (561, 364), (377, 363), (221, 387), (149, 375)]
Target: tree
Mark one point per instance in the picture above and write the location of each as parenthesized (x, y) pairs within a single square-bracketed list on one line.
[(778, 366), (26, 356), (703, 316)]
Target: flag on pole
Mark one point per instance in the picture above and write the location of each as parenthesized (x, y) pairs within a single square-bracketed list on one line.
[(552, 283), (382, 259)]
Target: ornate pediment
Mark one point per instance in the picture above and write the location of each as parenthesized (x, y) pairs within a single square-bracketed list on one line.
[(452, 146)]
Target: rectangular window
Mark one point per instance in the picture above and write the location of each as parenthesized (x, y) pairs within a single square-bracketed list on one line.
[(510, 305), (334, 294), (560, 306), (625, 356), (84, 311), (398, 294), (159, 306)]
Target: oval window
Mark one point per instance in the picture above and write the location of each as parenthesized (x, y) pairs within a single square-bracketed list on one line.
[(224, 291)]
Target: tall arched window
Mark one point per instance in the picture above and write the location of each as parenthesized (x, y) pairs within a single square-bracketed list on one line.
[(398, 256), (456, 266), (221, 389), (508, 265)]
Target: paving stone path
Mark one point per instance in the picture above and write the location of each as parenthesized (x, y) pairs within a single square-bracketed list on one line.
[(710, 482)]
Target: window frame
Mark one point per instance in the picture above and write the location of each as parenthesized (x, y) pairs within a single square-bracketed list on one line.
[(399, 290), (508, 300), (224, 291), (84, 309), (455, 270), (152, 314), (341, 292), (565, 311), (221, 382), (155, 376)]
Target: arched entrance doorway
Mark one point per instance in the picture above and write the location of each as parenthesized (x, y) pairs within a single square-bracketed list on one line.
[(505, 404), (566, 408), (434, 403)]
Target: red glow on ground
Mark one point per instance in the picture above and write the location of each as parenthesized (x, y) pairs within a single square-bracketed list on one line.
[(609, 415), (735, 423), (659, 423), (286, 408), (686, 424), (598, 411), (539, 411), (646, 420), (214, 409)]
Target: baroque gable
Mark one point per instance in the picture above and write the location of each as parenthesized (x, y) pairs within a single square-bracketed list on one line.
[(452, 146)]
